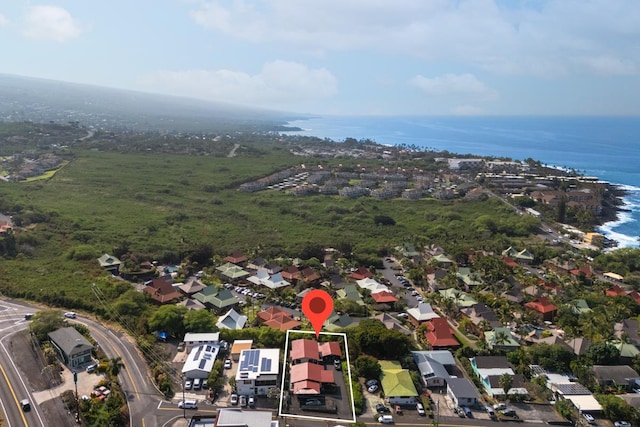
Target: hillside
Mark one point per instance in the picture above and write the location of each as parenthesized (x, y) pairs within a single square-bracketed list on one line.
[(39, 100)]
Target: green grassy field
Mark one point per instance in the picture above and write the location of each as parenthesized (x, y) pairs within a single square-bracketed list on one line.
[(164, 206)]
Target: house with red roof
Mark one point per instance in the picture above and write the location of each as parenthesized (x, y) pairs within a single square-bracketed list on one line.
[(237, 258), (585, 269), (291, 273), (439, 334), (361, 273), (509, 262), (615, 291), (309, 276), (330, 351), (304, 351), (310, 378), (277, 318), (384, 297), (634, 295), (161, 290), (544, 307)]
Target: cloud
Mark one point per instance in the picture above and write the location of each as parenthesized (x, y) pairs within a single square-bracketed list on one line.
[(50, 23), (3, 20), (278, 84), (505, 37), (609, 66), (454, 84)]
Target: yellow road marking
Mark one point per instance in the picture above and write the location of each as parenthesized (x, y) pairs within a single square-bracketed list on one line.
[(13, 393)]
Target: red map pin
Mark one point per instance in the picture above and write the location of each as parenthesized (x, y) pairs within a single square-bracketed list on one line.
[(317, 305)]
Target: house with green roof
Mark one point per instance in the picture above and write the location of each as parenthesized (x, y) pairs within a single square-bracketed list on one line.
[(442, 260), (521, 257), (468, 278), (459, 298), (350, 292), (216, 298), (501, 339), (579, 307), (232, 271), (397, 384), (337, 321), (109, 263)]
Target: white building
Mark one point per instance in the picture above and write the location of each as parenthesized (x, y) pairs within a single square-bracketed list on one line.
[(195, 339), (200, 361), (258, 371)]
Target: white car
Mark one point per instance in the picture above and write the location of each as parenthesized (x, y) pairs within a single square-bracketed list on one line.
[(227, 364), (385, 419), (622, 424), (589, 418), (234, 399), (70, 315)]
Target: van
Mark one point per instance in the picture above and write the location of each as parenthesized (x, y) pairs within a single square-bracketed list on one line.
[(197, 384), (188, 404), (420, 409), (385, 419)]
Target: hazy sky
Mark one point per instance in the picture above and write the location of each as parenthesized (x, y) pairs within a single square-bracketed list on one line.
[(341, 56)]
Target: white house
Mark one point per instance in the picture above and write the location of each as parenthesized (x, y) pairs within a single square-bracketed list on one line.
[(231, 320), (258, 371), (432, 372), (195, 339), (462, 392), (200, 361), (263, 278)]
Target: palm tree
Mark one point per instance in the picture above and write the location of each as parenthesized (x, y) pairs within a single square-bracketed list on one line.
[(505, 382)]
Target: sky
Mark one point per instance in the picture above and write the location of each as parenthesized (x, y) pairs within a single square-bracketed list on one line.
[(344, 57)]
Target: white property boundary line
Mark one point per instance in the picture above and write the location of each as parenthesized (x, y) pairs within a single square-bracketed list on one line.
[(284, 363)]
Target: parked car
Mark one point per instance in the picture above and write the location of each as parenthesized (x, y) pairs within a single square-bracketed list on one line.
[(420, 409), (499, 406), (313, 402), (234, 399), (372, 388), (403, 315), (622, 424), (188, 384), (382, 409), (385, 419), (28, 316), (337, 364), (467, 412), (92, 368), (458, 410), (509, 413), (181, 346), (70, 315), (252, 401), (227, 364), (589, 418), (371, 382), (243, 401)]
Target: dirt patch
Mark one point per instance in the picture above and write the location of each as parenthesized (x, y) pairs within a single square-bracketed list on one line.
[(30, 363)]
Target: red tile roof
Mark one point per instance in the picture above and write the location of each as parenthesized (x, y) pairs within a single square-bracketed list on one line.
[(439, 333), (236, 258), (615, 291), (509, 262), (384, 297), (330, 348), (361, 273), (161, 290), (542, 305), (304, 349), (277, 318), (303, 374)]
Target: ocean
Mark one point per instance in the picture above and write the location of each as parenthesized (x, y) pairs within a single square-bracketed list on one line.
[(606, 147)]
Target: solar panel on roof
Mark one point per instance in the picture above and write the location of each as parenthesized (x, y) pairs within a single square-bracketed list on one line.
[(265, 365)]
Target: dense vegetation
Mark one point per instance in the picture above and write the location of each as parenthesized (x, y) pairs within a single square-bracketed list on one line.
[(173, 207)]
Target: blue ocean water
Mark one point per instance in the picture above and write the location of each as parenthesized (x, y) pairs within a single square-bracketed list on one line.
[(606, 147)]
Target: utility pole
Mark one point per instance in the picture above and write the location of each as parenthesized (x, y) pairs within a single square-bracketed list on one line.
[(75, 381), (184, 407)]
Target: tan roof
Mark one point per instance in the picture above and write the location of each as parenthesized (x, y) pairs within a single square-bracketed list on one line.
[(239, 345)]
